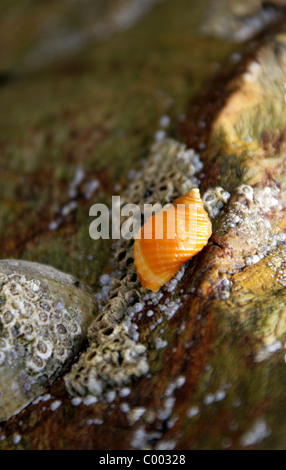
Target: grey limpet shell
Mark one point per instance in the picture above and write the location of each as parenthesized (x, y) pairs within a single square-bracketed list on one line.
[(44, 317)]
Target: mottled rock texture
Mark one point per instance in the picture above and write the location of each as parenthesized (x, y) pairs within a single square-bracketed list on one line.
[(240, 20), (214, 337)]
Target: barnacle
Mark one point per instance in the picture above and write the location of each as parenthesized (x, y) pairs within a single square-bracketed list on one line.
[(178, 169), (214, 199)]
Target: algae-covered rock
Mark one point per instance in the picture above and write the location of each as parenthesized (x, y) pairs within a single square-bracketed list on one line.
[(43, 34), (240, 20), (252, 119), (44, 316), (218, 331), (199, 364), (115, 356)]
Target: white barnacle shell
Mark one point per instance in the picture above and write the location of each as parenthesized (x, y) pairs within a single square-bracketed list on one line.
[(44, 317)]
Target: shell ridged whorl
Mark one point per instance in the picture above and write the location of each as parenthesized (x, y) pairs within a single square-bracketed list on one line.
[(169, 238)]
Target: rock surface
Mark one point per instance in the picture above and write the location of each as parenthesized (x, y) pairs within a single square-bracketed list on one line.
[(214, 337), (240, 20)]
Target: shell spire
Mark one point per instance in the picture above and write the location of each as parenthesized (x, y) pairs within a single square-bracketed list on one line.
[(169, 238)]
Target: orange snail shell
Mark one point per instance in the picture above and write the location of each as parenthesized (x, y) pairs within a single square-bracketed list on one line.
[(184, 230)]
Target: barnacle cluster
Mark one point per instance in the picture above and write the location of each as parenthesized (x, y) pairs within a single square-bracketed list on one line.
[(249, 218), (33, 327), (40, 330), (277, 262), (115, 355), (214, 200), (111, 362), (170, 171)]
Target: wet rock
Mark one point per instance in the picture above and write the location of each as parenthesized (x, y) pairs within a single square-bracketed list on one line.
[(115, 357), (55, 34), (214, 336), (44, 316), (238, 20)]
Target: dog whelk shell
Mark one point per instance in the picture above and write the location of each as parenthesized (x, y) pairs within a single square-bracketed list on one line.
[(169, 238), (44, 317)]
